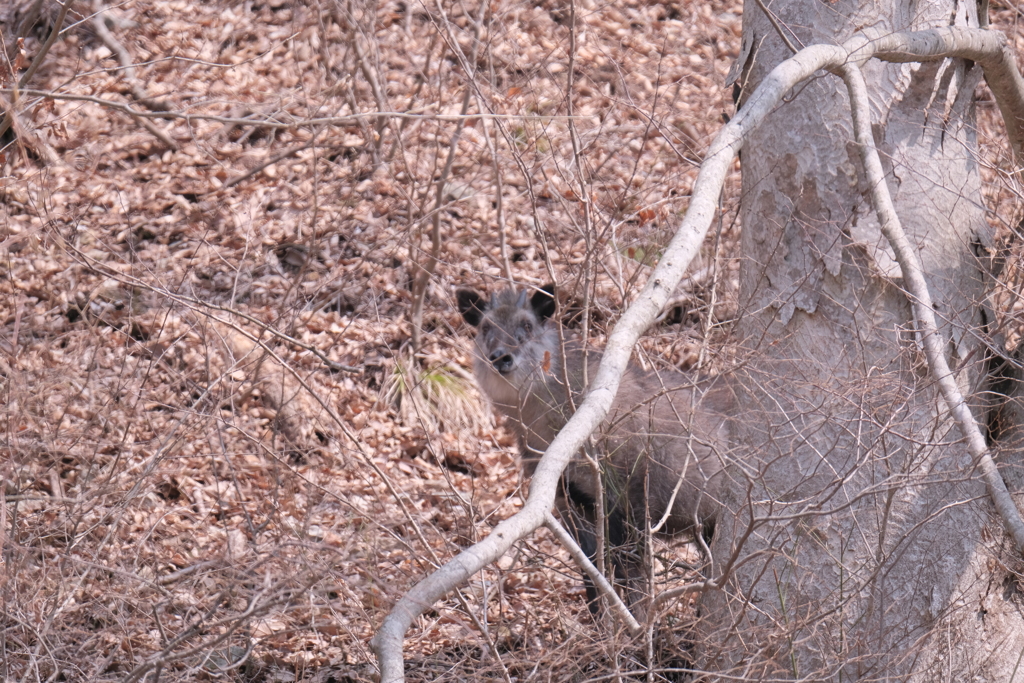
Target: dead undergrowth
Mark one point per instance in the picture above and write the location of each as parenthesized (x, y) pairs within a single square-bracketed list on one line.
[(220, 455)]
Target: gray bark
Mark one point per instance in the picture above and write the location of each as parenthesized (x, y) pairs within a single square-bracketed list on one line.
[(868, 512)]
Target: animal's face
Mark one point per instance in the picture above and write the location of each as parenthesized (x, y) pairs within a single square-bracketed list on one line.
[(514, 340)]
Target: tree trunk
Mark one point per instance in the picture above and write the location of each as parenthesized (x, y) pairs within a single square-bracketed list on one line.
[(868, 514)]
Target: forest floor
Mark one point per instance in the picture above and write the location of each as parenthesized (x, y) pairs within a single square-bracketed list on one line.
[(221, 455)]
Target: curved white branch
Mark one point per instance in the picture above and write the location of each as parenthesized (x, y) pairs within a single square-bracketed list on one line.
[(617, 606), (987, 48), (921, 300), (984, 47)]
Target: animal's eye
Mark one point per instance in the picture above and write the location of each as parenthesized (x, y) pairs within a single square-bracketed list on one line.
[(485, 327), (527, 327)]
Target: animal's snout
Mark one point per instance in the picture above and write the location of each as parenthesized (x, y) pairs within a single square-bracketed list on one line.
[(502, 361)]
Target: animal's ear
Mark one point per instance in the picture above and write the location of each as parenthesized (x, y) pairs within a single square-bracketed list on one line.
[(471, 305), (543, 301)]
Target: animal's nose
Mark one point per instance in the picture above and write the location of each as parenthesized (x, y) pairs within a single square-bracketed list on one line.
[(502, 361)]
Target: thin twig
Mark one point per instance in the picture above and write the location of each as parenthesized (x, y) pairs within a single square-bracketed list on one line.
[(347, 17), (100, 267), (58, 23), (426, 270), (36, 63), (777, 26), (618, 607), (99, 24), (337, 121), (290, 152), (490, 137), (23, 136)]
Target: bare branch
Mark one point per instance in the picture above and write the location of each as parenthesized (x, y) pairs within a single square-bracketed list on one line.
[(290, 152), (277, 125), (58, 24), (569, 543), (192, 302), (777, 26), (99, 24), (424, 271), (36, 63)]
